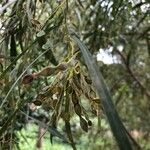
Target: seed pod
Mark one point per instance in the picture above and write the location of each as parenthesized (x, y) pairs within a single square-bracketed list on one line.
[(54, 103), (40, 97), (89, 122), (96, 100), (77, 109), (27, 79), (74, 98), (62, 66), (88, 81), (37, 103), (83, 124), (47, 71), (69, 90)]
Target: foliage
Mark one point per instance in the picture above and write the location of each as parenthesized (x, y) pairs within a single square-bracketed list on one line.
[(45, 79)]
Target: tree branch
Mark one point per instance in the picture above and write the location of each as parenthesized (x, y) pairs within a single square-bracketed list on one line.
[(132, 74)]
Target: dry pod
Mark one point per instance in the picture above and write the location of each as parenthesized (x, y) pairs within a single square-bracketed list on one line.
[(77, 109), (69, 89), (37, 103), (74, 98), (88, 81), (96, 100), (27, 79), (54, 103), (62, 66), (40, 97), (89, 122), (47, 71), (84, 124)]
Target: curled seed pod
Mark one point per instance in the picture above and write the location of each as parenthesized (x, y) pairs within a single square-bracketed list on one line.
[(69, 90), (74, 98), (78, 109), (89, 122), (83, 124), (62, 66), (96, 100), (40, 97), (94, 108), (37, 103), (27, 79), (77, 82), (54, 103), (47, 71), (88, 81)]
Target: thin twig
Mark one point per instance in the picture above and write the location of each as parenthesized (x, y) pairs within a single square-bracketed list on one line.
[(132, 74)]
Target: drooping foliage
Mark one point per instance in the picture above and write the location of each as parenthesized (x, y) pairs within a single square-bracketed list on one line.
[(49, 71)]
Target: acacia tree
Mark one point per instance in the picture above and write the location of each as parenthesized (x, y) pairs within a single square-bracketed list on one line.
[(48, 59)]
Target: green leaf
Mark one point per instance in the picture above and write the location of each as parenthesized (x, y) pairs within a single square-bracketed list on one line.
[(40, 33), (104, 94)]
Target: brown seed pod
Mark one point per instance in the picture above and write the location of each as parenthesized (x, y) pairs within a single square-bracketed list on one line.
[(88, 81), (28, 78), (89, 122), (37, 103), (62, 66), (83, 124), (96, 100), (78, 109), (40, 97), (74, 98), (54, 103), (69, 89), (47, 71)]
